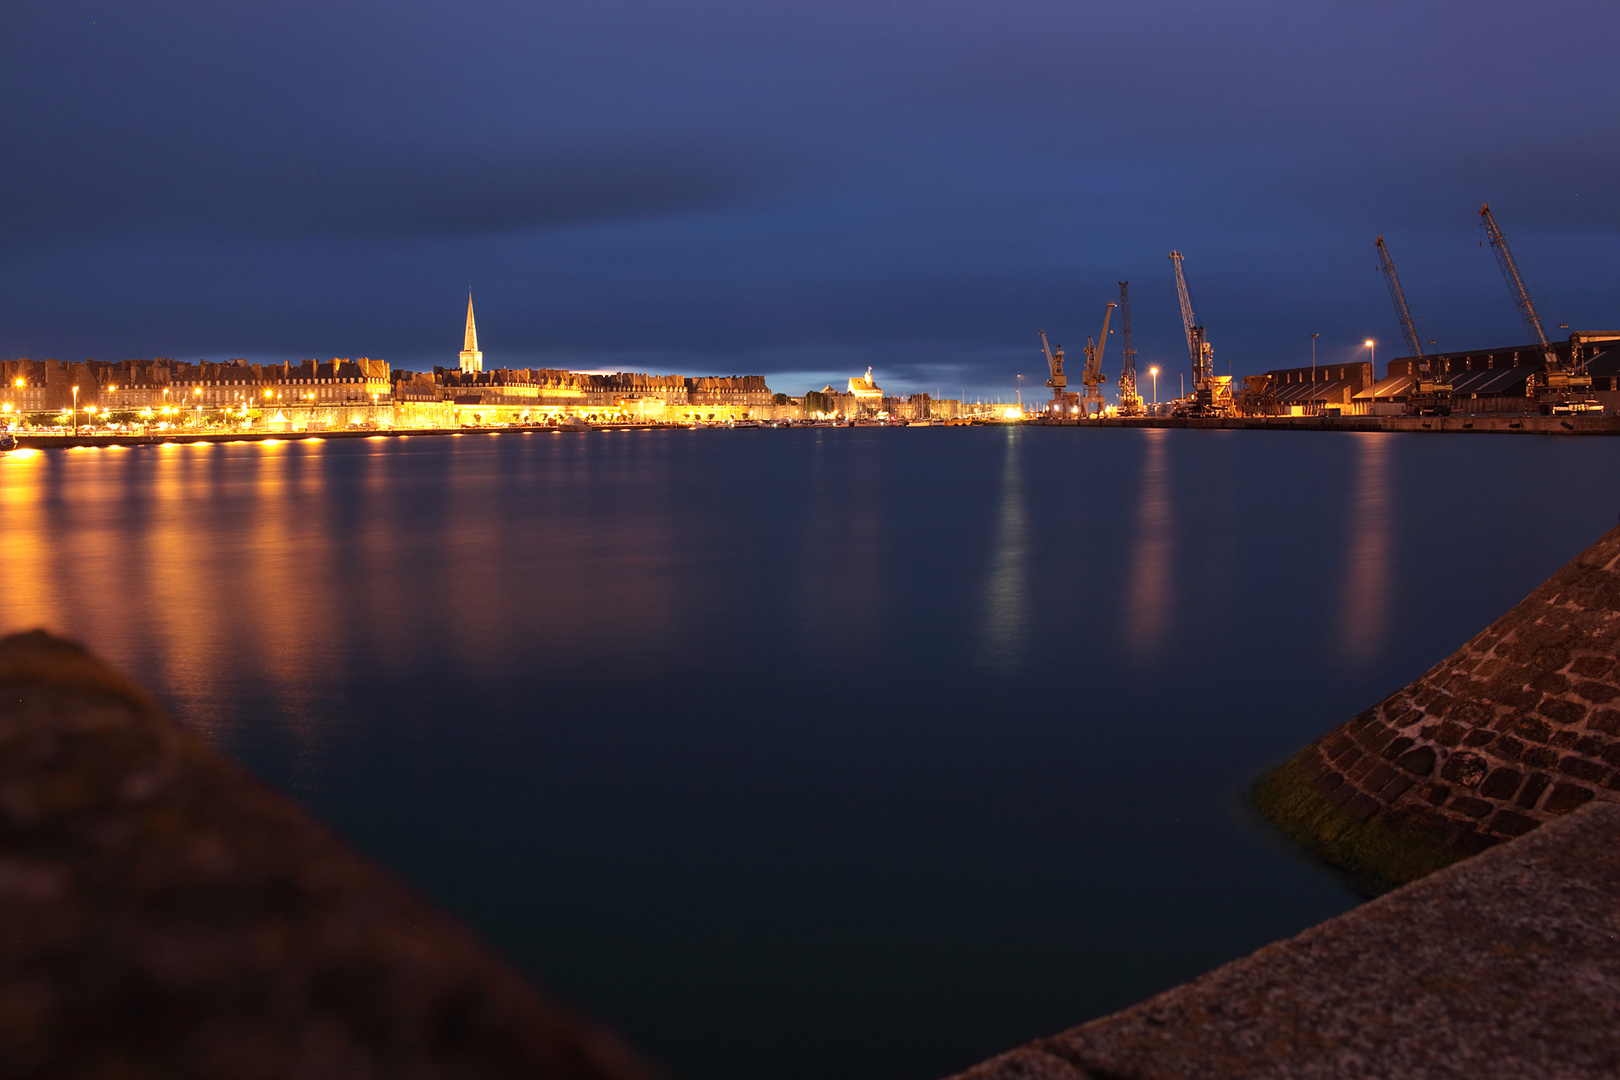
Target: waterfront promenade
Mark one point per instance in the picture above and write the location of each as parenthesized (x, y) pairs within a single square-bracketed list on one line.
[(1446, 425)]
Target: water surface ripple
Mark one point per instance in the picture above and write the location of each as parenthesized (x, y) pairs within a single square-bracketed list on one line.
[(819, 753)]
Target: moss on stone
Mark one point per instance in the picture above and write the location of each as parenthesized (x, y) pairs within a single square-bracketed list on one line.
[(1378, 853)]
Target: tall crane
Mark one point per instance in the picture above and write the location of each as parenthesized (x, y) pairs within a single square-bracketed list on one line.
[(1432, 392), (1211, 395), (1398, 296), (1091, 402), (1058, 381), (1130, 402), (1558, 379), (1521, 295)]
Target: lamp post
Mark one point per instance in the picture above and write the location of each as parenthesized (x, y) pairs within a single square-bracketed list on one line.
[(75, 411), (1155, 373), (1313, 371), (1372, 355)]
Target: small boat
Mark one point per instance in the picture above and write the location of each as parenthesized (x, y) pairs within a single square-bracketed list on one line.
[(571, 423), (8, 441)]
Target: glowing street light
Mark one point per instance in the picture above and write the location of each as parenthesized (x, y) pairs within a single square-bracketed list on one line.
[(75, 410), (1155, 373), (1372, 355)]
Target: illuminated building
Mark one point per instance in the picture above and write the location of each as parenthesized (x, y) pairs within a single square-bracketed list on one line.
[(472, 361), (868, 397)]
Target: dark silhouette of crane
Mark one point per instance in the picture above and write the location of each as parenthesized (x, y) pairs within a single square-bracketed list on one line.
[(1211, 396), (1521, 295), (1431, 393), (1130, 401), (1559, 381)]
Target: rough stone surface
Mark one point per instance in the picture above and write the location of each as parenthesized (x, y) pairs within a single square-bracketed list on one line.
[(1504, 966), (1517, 727), (164, 915)]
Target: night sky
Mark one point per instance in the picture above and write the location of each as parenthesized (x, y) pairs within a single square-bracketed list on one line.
[(799, 189)]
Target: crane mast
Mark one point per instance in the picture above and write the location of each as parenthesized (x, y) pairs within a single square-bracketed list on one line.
[(1058, 381), (1432, 393), (1521, 295), (1398, 296), (1558, 380), (1130, 402), (1091, 402), (1211, 395)]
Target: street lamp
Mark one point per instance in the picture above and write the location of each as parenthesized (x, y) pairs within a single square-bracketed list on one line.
[(1313, 371), (75, 410), (1372, 355), (1155, 373)]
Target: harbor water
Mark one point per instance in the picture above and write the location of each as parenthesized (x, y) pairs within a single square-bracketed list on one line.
[(812, 753)]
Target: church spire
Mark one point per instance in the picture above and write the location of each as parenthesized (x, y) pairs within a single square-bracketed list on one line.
[(471, 359)]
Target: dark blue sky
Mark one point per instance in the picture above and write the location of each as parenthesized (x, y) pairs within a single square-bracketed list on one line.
[(798, 189)]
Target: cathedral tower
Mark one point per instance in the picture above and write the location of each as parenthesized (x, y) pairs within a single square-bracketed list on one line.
[(471, 359)]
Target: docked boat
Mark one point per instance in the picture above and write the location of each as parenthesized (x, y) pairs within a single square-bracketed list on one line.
[(8, 441)]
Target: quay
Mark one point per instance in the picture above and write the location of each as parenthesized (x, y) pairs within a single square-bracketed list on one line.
[(1577, 424)]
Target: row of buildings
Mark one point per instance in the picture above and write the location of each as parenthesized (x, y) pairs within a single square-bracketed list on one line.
[(365, 391), (1486, 381), (365, 388), (351, 392)]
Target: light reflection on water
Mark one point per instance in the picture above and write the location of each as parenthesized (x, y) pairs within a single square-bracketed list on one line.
[(1147, 607), (1367, 570), (1006, 601), (897, 747)]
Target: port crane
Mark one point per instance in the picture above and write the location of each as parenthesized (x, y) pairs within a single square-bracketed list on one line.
[(1130, 402), (1559, 380), (1091, 402), (1432, 392), (1212, 395), (1059, 382)]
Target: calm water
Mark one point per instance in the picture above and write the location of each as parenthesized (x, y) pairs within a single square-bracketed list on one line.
[(822, 753)]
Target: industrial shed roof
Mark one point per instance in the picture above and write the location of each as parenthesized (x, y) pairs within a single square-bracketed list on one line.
[(1491, 380), (1393, 386), (1314, 391), (1606, 362)]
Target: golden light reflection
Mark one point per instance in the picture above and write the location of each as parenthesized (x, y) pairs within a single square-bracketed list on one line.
[(28, 585), (1149, 592), (1006, 601), (1367, 569)]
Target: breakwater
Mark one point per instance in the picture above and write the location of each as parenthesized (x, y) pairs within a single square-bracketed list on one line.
[(1519, 726)]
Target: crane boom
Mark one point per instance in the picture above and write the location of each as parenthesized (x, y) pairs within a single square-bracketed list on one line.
[(1396, 295), (1091, 402), (1198, 346), (1188, 320), (1130, 402), (1521, 295)]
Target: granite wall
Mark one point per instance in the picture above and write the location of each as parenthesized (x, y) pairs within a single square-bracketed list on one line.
[(1519, 726)]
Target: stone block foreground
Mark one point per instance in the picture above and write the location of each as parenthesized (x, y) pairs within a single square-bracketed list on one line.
[(162, 914), (1502, 967)]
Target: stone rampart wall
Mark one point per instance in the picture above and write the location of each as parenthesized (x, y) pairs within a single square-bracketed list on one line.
[(1520, 725)]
